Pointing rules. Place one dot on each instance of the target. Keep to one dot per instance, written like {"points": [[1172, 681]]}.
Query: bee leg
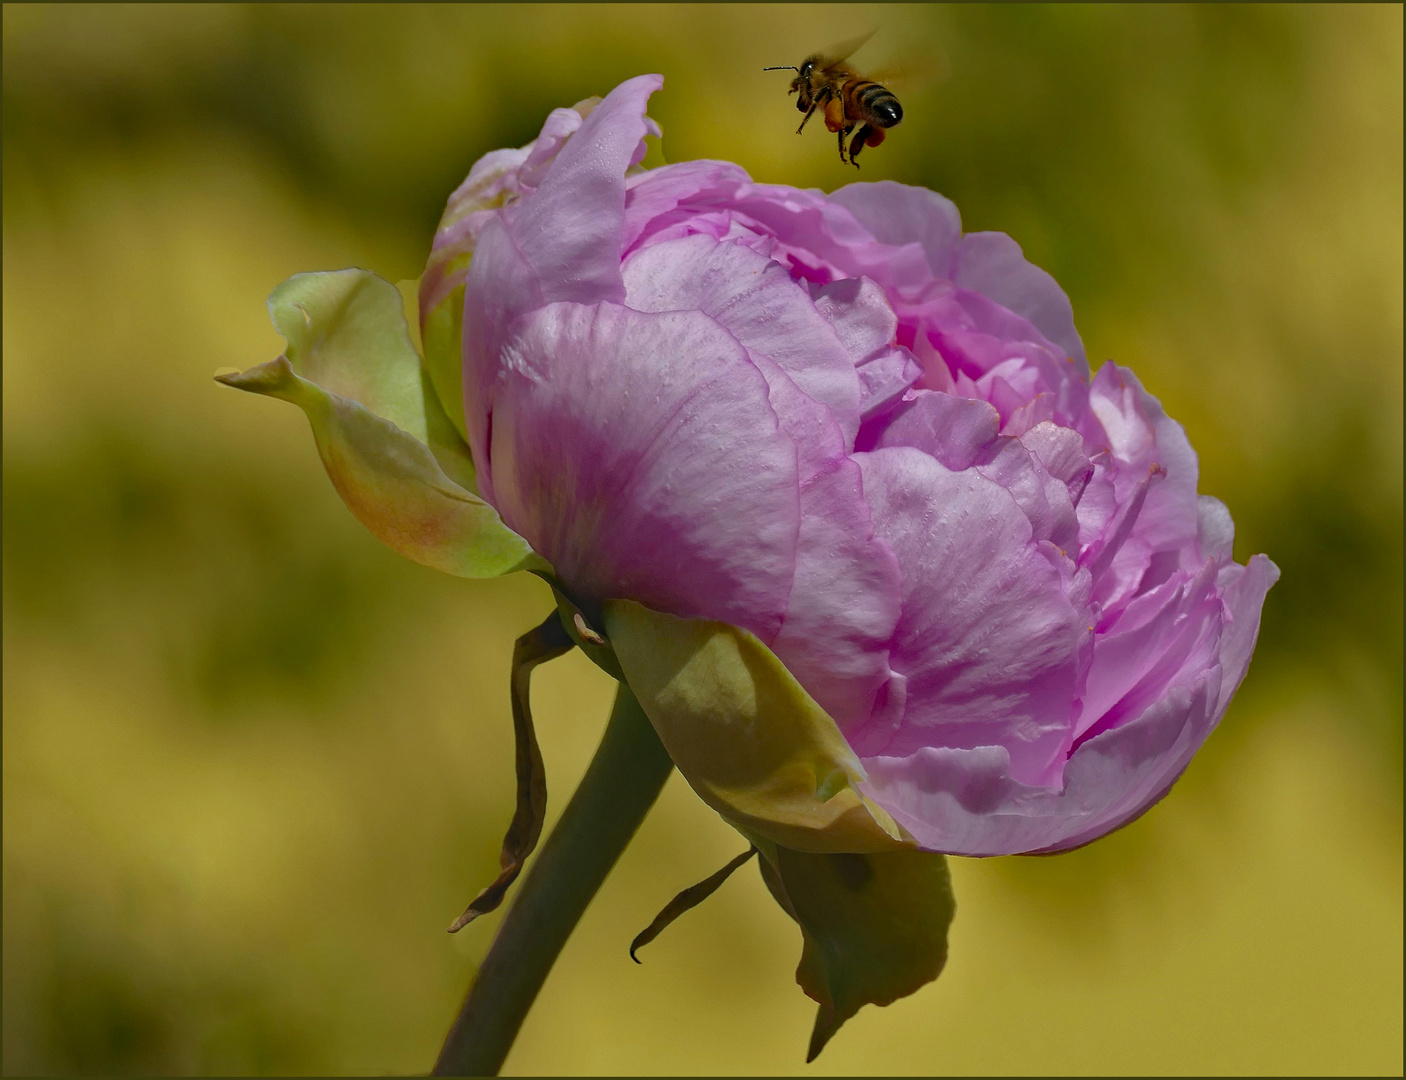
{"points": [[862, 138], [843, 132], [813, 106]]}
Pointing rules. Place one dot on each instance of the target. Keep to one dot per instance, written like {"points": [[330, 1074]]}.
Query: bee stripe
{"points": [[872, 94]]}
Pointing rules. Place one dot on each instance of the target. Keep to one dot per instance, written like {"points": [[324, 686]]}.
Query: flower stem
{"points": [[624, 779]]}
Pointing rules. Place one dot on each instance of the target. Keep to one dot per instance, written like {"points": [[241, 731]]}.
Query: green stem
{"points": [[624, 779]]}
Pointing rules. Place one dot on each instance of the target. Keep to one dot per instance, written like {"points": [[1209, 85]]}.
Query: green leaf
{"points": [[745, 734], [387, 445], [874, 926]]}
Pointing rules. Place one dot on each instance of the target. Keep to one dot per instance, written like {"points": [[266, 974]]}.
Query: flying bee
{"points": [[850, 101]]}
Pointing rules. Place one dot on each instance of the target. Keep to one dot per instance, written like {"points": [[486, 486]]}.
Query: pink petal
{"points": [[1243, 597], [1043, 498], [1165, 637], [965, 802], [955, 430], [974, 335], [1035, 411], [1061, 452], [559, 126], [988, 263], [1122, 773], [992, 264], [963, 433], [561, 242], [988, 640], [859, 311], [1215, 531], [651, 197], [823, 240], [641, 452], [899, 214], [759, 304], [847, 592], [883, 380], [1140, 436], [493, 179], [845, 598]]}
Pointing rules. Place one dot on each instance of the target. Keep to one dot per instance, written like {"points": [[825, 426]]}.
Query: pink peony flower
{"points": [[828, 487], [838, 423]]}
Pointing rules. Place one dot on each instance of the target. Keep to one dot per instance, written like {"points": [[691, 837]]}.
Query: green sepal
{"points": [[874, 926], [442, 333], [745, 734], [388, 447], [583, 625]]}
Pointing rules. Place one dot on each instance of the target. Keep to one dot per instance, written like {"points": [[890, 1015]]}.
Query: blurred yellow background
{"points": [[254, 763]]}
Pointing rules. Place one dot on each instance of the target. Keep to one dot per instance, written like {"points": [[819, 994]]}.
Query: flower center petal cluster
{"points": [[838, 423]]}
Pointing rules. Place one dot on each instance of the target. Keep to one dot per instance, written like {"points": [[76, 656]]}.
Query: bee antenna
{"points": [[783, 67]]}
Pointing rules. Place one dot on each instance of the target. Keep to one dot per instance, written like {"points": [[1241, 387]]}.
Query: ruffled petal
{"points": [[989, 263], [969, 334], [844, 601], [653, 198], [859, 311], [992, 264], [1141, 437], [1061, 451], [884, 378], [1166, 636], [989, 642], [491, 182], [1044, 499], [964, 433], [820, 240], [641, 451], [900, 214], [957, 431], [755, 301], [965, 802]]}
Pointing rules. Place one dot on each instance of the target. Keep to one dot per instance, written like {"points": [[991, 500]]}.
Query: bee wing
{"points": [[833, 58], [912, 72]]}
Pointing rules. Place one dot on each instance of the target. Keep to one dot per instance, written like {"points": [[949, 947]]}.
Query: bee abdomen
{"points": [[879, 105]]}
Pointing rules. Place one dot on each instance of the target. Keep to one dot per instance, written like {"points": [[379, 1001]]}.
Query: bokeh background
{"points": [[254, 762]]}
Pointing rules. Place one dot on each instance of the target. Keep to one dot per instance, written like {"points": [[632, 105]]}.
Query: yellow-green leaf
{"points": [[390, 451], [745, 734]]}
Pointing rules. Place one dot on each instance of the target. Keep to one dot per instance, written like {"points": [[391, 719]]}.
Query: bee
{"points": [[850, 100]]}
